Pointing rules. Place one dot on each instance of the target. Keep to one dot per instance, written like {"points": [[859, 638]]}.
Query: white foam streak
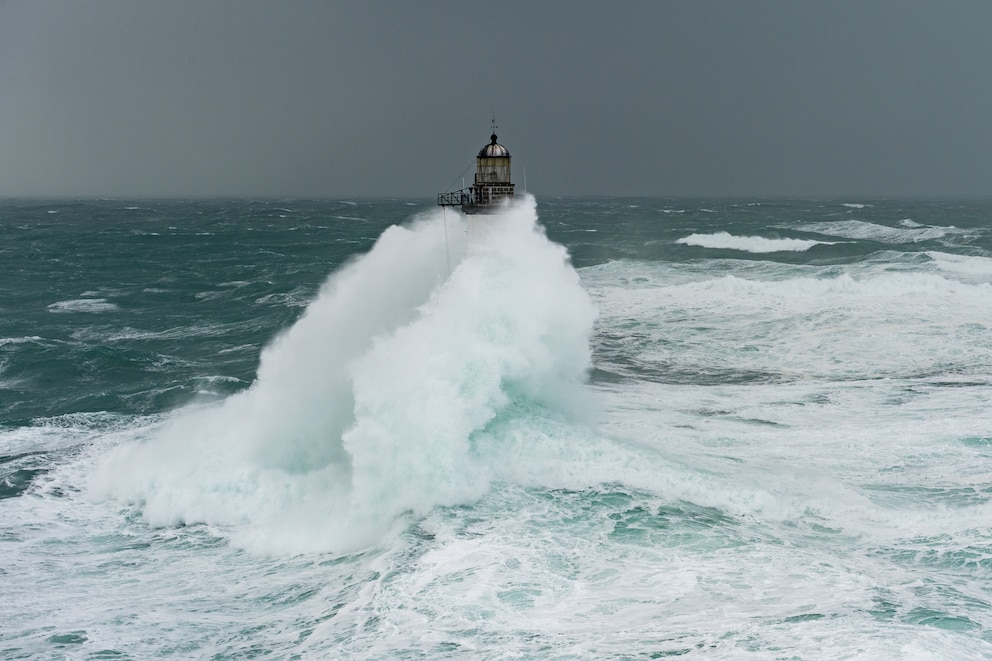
{"points": [[754, 244], [91, 305], [371, 404], [19, 340], [861, 230]]}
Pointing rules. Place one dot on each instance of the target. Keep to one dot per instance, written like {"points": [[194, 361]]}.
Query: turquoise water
{"points": [[594, 428]]}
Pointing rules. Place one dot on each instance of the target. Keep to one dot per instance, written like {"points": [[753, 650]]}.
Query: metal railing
{"points": [[476, 196], [458, 198]]}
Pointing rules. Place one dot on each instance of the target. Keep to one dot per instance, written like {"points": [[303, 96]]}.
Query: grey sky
{"points": [[332, 99]]}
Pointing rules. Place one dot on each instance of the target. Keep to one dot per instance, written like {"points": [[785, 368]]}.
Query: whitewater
{"points": [[381, 398], [612, 429]]}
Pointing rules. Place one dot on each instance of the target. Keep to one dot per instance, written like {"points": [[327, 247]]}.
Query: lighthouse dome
{"points": [[494, 150]]}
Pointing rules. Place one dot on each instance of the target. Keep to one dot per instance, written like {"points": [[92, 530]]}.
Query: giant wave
{"points": [[377, 401]]}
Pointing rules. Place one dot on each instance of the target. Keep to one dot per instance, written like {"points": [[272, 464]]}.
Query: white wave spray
{"points": [[377, 400]]}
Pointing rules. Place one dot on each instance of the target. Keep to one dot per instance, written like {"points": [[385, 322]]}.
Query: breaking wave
{"points": [[755, 244], [380, 399], [93, 305]]}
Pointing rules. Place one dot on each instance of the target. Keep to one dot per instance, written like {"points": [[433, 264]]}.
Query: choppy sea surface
{"points": [[583, 428]]}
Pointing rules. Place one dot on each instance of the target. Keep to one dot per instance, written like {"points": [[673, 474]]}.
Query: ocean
{"points": [[585, 428]]}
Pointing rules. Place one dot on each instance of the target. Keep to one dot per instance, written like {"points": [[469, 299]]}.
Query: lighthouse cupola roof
{"points": [[494, 149]]}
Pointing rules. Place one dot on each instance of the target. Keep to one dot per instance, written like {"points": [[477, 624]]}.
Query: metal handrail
{"points": [[454, 199]]}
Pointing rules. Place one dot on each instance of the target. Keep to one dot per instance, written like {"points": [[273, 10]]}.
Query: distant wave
{"points": [[83, 305], [909, 232], [757, 244]]}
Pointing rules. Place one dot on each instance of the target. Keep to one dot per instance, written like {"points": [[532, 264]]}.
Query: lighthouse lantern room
{"points": [[493, 187]]}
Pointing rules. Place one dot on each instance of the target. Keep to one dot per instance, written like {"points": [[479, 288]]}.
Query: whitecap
{"points": [[19, 340], [755, 244], [93, 305]]}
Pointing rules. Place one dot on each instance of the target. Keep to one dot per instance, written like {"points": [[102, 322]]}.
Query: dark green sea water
{"points": [[607, 428]]}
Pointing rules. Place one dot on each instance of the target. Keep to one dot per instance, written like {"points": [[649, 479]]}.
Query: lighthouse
{"points": [[493, 188]]}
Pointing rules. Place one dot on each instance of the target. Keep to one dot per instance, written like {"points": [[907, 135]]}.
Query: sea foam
{"points": [[377, 401], [755, 244], [94, 305]]}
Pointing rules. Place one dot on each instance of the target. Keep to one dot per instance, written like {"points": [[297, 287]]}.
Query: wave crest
{"points": [[755, 244], [94, 305]]}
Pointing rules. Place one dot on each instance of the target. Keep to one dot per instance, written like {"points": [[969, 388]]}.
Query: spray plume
{"points": [[381, 398]]}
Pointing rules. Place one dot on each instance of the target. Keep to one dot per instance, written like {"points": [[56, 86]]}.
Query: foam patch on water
{"points": [[755, 244], [19, 340], [60, 432], [91, 305], [376, 401]]}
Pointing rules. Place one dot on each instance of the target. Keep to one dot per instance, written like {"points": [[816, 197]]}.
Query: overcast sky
{"points": [[137, 98]]}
